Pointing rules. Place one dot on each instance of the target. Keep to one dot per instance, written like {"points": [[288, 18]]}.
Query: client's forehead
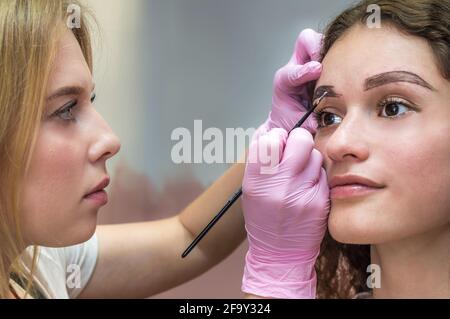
{"points": [[363, 52]]}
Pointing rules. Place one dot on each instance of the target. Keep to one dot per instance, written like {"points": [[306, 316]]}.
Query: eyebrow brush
{"points": [[239, 192]]}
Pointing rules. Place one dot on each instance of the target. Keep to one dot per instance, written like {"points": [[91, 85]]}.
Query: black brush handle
{"points": [[238, 194]]}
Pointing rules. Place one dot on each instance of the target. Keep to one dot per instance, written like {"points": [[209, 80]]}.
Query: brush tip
{"points": [[319, 99]]}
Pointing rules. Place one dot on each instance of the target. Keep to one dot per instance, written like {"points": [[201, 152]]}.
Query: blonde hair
{"points": [[29, 34]]}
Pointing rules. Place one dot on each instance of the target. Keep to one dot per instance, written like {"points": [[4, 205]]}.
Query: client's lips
{"points": [[98, 194], [344, 186]]}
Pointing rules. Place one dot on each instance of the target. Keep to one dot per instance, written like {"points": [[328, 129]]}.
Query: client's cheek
{"points": [[419, 184], [319, 144]]}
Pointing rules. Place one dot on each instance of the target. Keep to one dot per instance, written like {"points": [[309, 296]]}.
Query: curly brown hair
{"points": [[341, 268]]}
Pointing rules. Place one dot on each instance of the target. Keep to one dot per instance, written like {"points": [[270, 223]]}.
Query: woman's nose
{"points": [[105, 144], [348, 141]]}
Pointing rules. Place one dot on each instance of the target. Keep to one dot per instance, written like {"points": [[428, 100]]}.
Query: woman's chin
{"points": [[75, 235], [81, 234], [349, 227]]}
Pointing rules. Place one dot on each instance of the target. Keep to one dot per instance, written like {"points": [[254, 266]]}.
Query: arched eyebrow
{"points": [[325, 88], [68, 90], [395, 76], [379, 80]]}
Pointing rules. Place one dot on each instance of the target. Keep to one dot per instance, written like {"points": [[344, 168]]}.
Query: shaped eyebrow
{"points": [[395, 76], [67, 90], [379, 80], [325, 88]]}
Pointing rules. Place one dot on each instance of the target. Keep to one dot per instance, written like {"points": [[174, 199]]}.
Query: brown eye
{"points": [[326, 119], [393, 108]]}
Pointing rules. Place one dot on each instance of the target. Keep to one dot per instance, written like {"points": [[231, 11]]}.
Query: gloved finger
{"points": [[310, 125], [311, 173], [271, 147], [292, 76], [324, 192], [318, 202], [307, 47], [265, 153], [297, 151]]}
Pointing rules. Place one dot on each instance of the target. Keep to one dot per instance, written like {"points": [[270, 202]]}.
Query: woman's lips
{"points": [[352, 185], [99, 198], [352, 190]]}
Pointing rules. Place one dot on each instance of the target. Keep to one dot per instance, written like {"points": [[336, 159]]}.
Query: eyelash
{"points": [[386, 102], [67, 109]]}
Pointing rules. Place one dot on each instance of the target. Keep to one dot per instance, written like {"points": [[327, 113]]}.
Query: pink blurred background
{"points": [[134, 198]]}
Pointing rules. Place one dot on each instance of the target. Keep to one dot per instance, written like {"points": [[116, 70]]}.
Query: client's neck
{"points": [[415, 267]]}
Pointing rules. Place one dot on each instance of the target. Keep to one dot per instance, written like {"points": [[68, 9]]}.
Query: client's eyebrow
{"points": [[395, 76], [325, 88], [68, 90], [379, 80]]}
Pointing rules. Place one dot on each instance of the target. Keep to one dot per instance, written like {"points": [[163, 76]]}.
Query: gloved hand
{"points": [[285, 215], [290, 99]]}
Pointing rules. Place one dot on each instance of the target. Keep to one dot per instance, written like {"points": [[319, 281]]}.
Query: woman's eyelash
{"points": [[393, 101], [65, 113], [390, 101], [317, 116]]}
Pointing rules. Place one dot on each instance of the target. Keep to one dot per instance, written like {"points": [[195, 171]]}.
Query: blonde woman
{"points": [[53, 152]]}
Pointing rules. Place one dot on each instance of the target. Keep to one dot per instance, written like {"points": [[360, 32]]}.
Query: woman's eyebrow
{"points": [[395, 76], [68, 90], [325, 88], [379, 80]]}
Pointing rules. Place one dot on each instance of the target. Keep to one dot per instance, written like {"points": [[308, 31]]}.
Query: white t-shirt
{"points": [[62, 273]]}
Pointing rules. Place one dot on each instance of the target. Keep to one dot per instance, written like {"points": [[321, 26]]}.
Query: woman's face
{"points": [[69, 158], [388, 120]]}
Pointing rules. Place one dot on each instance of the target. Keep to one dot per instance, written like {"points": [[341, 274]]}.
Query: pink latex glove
{"points": [[285, 215], [290, 99]]}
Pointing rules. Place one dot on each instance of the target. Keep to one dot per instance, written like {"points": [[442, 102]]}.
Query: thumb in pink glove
{"points": [[285, 215], [290, 98]]}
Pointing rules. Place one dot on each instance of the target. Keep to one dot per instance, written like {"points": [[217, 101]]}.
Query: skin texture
{"points": [[136, 260], [69, 158], [406, 150]]}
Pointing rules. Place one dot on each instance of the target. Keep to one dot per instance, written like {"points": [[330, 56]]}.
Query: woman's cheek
{"points": [[319, 144], [419, 179], [52, 184]]}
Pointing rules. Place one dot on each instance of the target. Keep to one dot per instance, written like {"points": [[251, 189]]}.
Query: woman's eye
{"points": [[393, 108], [326, 119], [390, 108], [65, 113]]}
